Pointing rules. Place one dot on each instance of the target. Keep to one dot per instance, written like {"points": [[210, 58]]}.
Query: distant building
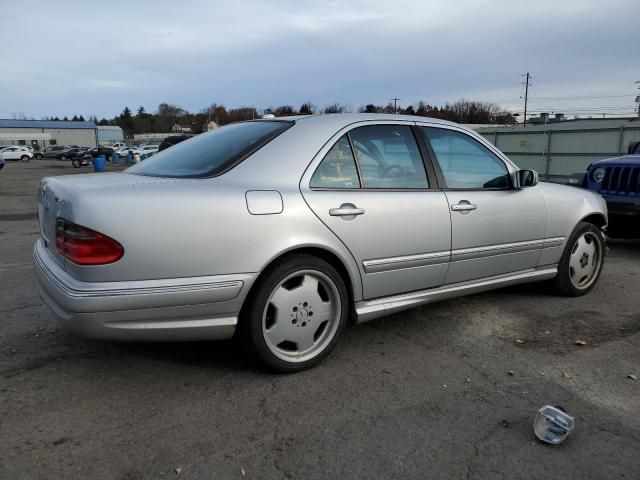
{"points": [[150, 137], [181, 128], [558, 148], [43, 133], [108, 135]]}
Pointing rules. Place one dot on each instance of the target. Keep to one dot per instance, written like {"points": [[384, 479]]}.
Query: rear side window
{"points": [[388, 157], [212, 153], [337, 169], [465, 162]]}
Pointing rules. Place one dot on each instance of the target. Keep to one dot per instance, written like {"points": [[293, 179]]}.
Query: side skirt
{"points": [[369, 309]]}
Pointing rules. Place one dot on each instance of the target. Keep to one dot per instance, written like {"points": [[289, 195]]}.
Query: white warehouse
{"points": [[109, 134], [42, 133]]}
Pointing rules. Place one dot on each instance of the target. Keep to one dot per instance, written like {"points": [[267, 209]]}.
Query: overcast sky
{"points": [[88, 57]]}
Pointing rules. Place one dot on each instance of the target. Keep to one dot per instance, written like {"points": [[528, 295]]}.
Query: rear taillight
{"points": [[84, 246]]}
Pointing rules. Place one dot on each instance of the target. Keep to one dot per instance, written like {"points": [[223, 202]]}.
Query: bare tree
{"points": [[335, 108]]}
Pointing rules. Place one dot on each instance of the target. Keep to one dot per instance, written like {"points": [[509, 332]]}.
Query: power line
{"points": [[583, 97], [541, 108]]}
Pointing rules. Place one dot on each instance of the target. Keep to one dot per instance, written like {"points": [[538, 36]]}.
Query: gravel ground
{"points": [[449, 390]]}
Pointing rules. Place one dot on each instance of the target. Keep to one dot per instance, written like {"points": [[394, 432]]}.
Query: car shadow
{"points": [[222, 355]]}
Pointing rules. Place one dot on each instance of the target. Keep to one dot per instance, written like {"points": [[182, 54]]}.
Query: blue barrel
{"points": [[98, 163], [129, 158], [115, 157]]}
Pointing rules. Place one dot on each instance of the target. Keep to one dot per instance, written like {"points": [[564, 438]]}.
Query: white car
{"points": [[147, 149], [142, 150], [118, 146], [16, 153], [123, 151]]}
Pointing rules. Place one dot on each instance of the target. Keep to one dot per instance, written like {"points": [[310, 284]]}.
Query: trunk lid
{"points": [[58, 198], [52, 203]]}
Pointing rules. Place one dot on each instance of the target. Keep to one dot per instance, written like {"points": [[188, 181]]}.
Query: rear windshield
{"points": [[210, 154]]}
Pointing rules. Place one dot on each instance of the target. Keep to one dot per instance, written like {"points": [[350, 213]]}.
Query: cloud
{"points": [[97, 58]]}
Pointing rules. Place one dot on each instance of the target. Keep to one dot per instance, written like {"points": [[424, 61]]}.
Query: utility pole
{"points": [[526, 95], [395, 104]]}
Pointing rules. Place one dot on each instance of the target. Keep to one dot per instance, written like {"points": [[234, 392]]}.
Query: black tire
{"points": [[567, 282], [76, 162], [63, 157], [255, 315], [39, 156], [24, 158]]}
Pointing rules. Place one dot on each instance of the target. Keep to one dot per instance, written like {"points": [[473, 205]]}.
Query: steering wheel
{"points": [[396, 171]]}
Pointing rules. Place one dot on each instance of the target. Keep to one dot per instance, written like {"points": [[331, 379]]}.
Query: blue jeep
{"points": [[618, 181]]}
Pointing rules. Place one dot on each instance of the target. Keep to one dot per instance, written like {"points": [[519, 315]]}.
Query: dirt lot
{"points": [[443, 391]]}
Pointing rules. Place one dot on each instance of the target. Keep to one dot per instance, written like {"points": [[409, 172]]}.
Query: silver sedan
{"points": [[283, 230]]}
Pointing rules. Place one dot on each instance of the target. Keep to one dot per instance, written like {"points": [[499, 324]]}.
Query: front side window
{"points": [[337, 169], [212, 153], [388, 157], [465, 162]]}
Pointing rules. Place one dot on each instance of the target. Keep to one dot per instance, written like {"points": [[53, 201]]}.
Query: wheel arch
{"points": [[597, 219], [351, 281]]}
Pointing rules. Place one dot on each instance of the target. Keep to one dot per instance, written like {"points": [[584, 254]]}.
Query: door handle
{"points": [[463, 207], [346, 211]]}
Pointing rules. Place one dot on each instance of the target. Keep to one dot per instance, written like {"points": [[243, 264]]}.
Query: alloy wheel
{"points": [[585, 260], [301, 316]]}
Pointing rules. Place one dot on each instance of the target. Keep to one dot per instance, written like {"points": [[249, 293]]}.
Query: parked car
{"points": [[170, 141], [146, 150], [60, 152], [285, 229], [118, 146], [618, 181], [107, 152], [123, 151], [1, 161], [16, 153]]}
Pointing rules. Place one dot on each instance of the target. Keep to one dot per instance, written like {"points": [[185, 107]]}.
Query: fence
{"points": [[555, 152]]}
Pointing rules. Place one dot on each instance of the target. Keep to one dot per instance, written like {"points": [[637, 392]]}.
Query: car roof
{"points": [[340, 120]]}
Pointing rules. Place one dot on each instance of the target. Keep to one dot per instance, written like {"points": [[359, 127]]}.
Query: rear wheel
{"points": [[76, 162], [38, 156], [24, 158], [63, 157], [298, 313], [581, 262]]}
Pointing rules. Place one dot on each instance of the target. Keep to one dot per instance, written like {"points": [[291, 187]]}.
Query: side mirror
{"points": [[524, 178]]}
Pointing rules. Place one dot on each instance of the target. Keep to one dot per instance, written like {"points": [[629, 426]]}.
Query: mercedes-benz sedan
{"points": [[282, 230]]}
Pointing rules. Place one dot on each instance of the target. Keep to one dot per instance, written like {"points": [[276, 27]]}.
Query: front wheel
{"points": [[39, 156], [581, 263], [297, 314], [76, 162]]}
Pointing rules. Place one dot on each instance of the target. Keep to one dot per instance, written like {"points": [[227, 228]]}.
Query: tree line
{"points": [[167, 115]]}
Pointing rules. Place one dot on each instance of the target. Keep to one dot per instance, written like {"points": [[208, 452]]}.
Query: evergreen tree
{"points": [[306, 108]]}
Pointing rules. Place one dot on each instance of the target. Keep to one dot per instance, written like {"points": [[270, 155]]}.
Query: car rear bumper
{"points": [[178, 309]]}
